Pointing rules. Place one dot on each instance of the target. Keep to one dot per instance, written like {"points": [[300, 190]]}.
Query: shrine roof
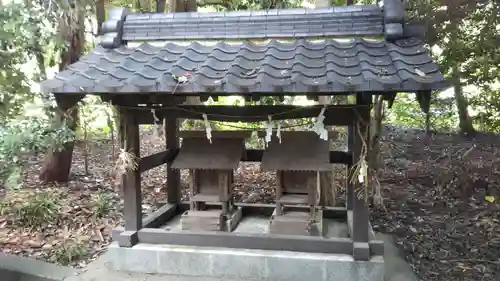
{"points": [[308, 60]]}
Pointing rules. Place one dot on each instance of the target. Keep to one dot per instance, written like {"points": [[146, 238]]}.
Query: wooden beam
{"points": [[331, 134], [131, 180], [243, 134], [336, 157], [173, 175], [310, 244], [376, 246], [360, 234], [160, 216], [335, 115], [154, 160]]}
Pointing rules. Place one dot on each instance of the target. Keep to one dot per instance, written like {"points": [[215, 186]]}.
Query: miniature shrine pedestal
{"points": [[211, 164]]}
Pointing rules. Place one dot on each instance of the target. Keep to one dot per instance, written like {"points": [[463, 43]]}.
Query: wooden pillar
{"points": [[173, 175], [349, 186], [361, 125], [279, 190], [131, 180]]}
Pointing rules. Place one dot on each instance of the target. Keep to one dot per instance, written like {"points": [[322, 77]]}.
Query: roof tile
{"points": [[297, 67]]}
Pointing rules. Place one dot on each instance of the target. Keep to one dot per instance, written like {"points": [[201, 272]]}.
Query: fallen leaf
{"points": [[489, 198], [420, 72], [33, 244]]}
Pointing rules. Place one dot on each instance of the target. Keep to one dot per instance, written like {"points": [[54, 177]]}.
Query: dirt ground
{"points": [[441, 199]]}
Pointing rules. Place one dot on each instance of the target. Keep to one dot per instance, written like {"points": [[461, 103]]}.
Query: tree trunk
{"points": [[160, 6], [100, 14], [465, 122], [57, 163], [328, 193], [182, 6], [179, 6]]}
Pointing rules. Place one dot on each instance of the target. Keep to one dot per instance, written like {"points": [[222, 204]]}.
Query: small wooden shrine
{"points": [[297, 159], [211, 164], [138, 75]]}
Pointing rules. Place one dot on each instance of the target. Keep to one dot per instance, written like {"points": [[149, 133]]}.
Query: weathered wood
{"points": [[160, 216], [157, 159], [225, 190], [279, 192], [349, 171], [173, 175], [301, 182], [336, 157], [217, 154], [338, 115], [238, 240], [309, 244], [216, 134], [266, 210], [360, 234], [290, 223], [331, 134], [234, 219], [151, 100], [350, 226], [208, 220], [131, 180]]}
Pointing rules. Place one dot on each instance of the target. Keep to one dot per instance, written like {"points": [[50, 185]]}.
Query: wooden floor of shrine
{"points": [[260, 225]]}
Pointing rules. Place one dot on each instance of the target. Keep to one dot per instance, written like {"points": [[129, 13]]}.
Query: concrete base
{"points": [[15, 268], [243, 264]]}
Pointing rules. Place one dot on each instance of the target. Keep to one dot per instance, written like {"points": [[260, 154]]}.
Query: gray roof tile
{"points": [[298, 67], [331, 21]]}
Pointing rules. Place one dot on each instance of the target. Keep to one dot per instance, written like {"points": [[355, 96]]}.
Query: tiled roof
{"points": [[358, 20], [302, 66]]}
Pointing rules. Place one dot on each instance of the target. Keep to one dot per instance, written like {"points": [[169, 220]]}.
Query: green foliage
{"points": [[24, 33], [406, 112], [95, 117], [487, 107], [34, 210], [70, 251], [102, 203], [20, 138]]}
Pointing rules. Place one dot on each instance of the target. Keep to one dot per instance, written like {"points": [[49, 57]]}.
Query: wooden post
{"points": [[349, 186], [131, 180], [193, 188], [360, 238], [279, 190], [173, 175]]}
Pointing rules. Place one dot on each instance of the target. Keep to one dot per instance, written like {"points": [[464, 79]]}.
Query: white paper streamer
{"points": [[319, 127], [363, 171], [269, 129], [208, 129], [278, 131]]}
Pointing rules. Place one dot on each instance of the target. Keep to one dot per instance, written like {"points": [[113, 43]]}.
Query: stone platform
{"points": [[243, 264]]}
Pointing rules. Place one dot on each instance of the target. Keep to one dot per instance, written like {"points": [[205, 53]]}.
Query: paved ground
{"points": [[396, 270]]}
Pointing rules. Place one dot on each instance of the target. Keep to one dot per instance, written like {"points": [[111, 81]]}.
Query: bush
{"points": [[34, 210], [21, 138]]}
